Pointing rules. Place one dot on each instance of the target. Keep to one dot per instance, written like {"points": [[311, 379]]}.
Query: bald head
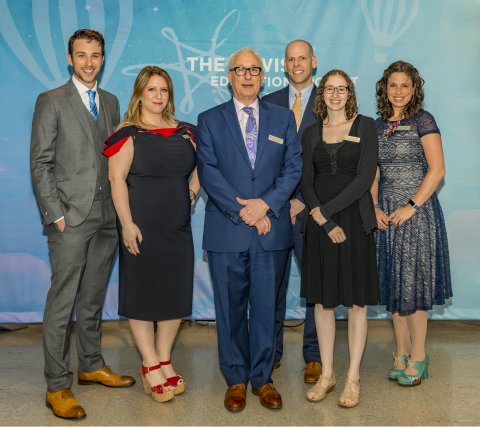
{"points": [[300, 63]]}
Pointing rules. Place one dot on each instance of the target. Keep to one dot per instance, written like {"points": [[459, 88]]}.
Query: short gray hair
{"points": [[234, 55]]}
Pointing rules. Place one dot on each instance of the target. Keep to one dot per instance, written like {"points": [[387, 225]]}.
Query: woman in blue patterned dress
{"points": [[412, 248]]}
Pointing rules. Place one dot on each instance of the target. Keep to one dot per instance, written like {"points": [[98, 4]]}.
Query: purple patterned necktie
{"points": [[251, 135]]}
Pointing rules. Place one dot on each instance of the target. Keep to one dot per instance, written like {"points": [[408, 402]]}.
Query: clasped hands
{"points": [[337, 235], [254, 214], [397, 217]]}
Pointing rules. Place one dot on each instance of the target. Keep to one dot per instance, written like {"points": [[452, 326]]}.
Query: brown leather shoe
{"points": [[276, 365], [269, 397], [236, 397], [106, 377], [312, 373], [64, 405]]}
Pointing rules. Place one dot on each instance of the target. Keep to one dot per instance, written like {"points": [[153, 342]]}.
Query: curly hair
{"points": [[88, 35], [384, 106], [133, 115], [351, 107]]}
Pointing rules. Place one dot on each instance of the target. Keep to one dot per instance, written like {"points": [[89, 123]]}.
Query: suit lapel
{"points": [[308, 116], [231, 118], [79, 109], [285, 97], [264, 118], [105, 110]]}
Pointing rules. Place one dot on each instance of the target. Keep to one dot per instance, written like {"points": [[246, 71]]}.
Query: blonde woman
{"points": [[151, 170]]}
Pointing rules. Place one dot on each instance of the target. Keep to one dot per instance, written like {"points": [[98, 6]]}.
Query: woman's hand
{"points": [[317, 216], [382, 219], [337, 235], [401, 215], [131, 238]]}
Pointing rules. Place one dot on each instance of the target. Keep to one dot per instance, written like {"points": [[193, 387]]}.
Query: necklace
{"points": [[390, 129]]}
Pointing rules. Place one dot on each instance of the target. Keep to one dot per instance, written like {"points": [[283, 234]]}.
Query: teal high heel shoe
{"points": [[422, 372], [394, 373]]}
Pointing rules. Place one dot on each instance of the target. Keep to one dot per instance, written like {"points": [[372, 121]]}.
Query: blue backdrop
{"points": [[192, 40]]}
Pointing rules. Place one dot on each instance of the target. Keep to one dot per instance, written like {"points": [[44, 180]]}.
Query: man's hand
{"points": [[60, 224], [253, 211], [264, 225], [296, 207]]}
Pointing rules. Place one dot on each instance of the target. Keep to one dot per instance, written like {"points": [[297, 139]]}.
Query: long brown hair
{"points": [[133, 115], [384, 106], [351, 107]]}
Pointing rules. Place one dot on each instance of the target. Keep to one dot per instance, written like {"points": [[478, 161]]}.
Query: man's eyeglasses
{"points": [[340, 89], [241, 71]]}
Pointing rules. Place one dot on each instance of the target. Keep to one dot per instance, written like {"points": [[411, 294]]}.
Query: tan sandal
{"points": [[323, 386], [349, 398]]}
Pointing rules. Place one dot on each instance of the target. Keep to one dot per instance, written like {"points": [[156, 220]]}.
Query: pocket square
{"points": [[275, 139]]}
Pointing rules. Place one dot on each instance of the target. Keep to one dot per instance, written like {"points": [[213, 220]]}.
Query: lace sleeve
{"points": [[426, 124]]}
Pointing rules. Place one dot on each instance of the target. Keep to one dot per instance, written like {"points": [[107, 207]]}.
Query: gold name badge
{"points": [[275, 139], [352, 138], [403, 127]]}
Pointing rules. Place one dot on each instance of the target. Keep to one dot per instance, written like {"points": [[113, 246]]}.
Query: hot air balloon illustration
{"points": [[387, 21], [52, 24]]}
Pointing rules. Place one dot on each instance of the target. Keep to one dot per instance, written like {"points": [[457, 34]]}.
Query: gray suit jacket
{"points": [[64, 152]]}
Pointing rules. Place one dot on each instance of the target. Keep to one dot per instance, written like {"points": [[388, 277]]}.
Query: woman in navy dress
{"points": [[151, 170], [412, 248]]}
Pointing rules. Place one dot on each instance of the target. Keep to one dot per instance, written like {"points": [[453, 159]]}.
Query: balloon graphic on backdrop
{"points": [[53, 46], [387, 21]]}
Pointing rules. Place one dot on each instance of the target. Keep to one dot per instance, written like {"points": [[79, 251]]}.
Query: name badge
{"points": [[403, 127], [352, 138], [275, 139]]}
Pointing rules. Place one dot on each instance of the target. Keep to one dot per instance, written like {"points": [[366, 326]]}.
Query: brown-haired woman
{"points": [[151, 161], [413, 259], [339, 266]]}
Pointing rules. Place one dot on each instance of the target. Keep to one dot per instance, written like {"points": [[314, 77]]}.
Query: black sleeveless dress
{"points": [[158, 283], [338, 273]]}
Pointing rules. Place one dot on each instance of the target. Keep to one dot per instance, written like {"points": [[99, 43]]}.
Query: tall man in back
{"points": [[249, 163], [299, 96], [70, 179]]}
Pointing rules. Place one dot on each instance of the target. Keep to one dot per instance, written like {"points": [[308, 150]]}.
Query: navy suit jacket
{"points": [[280, 97], [226, 173]]}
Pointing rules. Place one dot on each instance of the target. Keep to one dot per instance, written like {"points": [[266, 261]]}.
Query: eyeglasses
{"points": [[241, 71], [340, 89]]}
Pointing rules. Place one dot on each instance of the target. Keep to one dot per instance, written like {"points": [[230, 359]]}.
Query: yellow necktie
{"points": [[297, 108]]}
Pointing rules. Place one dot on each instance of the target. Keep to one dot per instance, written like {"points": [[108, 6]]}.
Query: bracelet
{"points": [[377, 206], [412, 204]]}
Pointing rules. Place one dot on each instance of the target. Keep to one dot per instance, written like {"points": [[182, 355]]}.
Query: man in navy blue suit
{"points": [[249, 163], [299, 96]]}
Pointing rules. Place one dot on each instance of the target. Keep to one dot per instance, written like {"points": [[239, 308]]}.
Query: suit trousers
{"points": [[311, 351], [245, 286], [80, 257]]}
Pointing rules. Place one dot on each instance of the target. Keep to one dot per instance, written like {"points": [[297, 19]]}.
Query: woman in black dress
{"points": [[151, 161], [339, 266]]}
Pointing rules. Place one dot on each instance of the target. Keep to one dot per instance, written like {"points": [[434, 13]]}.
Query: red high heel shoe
{"points": [[161, 392], [177, 381]]}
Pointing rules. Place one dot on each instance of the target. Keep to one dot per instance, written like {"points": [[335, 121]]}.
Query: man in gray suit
{"points": [[70, 178]]}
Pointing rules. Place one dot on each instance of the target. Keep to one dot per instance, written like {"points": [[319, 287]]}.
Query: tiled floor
{"points": [[449, 397]]}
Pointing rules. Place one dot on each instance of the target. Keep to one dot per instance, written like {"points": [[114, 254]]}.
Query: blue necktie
{"points": [[251, 135], [93, 106]]}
